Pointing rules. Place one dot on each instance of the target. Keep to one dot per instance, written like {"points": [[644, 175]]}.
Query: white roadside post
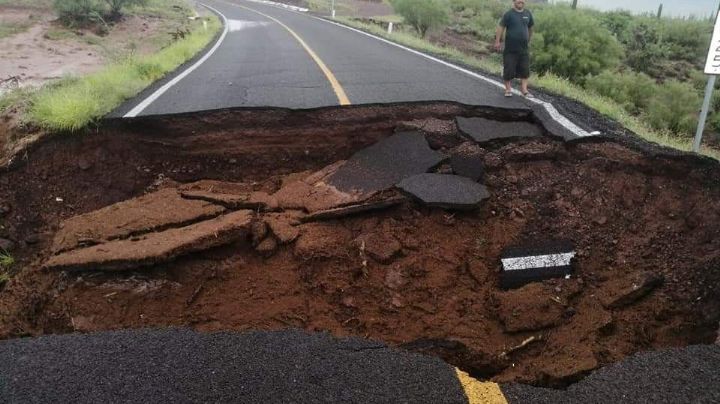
{"points": [[333, 8], [390, 27], [712, 69]]}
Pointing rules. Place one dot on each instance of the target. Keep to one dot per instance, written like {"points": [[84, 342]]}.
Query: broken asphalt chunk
{"points": [[467, 161], [386, 163], [156, 248], [524, 264], [229, 194], [348, 210], [151, 212], [445, 191], [485, 130]]}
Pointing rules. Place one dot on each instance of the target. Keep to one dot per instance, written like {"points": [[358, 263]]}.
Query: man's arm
{"points": [[499, 33], [530, 32]]}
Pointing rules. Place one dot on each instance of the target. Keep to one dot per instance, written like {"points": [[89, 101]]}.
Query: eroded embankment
{"points": [[415, 276]]}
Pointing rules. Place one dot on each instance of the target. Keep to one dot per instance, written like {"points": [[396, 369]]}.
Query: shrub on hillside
{"points": [[572, 44], [687, 40], [617, 22], [629, 89], [674, 107], [643, 46], [116, 6], [78, 12], [422, 15]]}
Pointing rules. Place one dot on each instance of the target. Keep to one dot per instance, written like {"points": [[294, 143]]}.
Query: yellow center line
{"points": [[339, 91], [479, 392]]}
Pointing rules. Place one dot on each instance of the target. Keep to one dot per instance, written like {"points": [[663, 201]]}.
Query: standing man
{"points": [[516, 25]]}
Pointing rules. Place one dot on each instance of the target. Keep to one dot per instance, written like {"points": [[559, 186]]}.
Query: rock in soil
{"points": [[155, 248], [267, 247], [530, 308], [623, 292], [155, 211], [379, 246], [445, 191], [283, 226], [258, 231]]}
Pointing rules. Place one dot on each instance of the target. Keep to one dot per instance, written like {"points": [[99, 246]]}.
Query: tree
{"points": [[422, 15]]}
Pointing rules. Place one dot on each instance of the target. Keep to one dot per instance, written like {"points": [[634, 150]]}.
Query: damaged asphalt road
{"points": [[179, 365], [262, 64]]}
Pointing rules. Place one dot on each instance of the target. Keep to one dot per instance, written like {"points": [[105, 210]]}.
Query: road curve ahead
{"points": [[273, 57]]}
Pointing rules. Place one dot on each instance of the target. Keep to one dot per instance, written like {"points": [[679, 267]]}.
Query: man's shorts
{"points": [[516, 66]]}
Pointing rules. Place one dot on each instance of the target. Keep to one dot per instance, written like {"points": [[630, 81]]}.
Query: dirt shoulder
{"points": [[48, 51]]}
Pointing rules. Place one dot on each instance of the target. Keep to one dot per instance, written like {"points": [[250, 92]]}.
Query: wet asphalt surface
{"points": [[292, 366], [182, 366], [688, 375], [260, 64]]}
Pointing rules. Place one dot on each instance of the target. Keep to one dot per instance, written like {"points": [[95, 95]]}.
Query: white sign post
{"points": [[712, 69]]}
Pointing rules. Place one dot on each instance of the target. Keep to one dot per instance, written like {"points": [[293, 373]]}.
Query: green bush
{"points": [[643, 46], [629, 89], [572, 44], [422, 15], [78, 12], [674, 107], [617, 22], [686, 40], [116, 6]]}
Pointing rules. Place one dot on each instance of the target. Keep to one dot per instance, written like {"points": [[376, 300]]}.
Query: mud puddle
{"points": [[644, 224]]}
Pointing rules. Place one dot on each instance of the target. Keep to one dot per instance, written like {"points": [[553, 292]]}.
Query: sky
{"points": [[670, 7]]}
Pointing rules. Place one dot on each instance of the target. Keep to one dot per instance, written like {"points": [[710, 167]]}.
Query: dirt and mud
{"points": [[644, 222]]}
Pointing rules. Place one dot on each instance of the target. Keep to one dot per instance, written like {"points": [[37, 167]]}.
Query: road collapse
{"points": [[401, 223]]}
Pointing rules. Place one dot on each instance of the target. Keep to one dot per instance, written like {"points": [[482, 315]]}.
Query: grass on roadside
{"points": [[72, 103], [549, 82]]}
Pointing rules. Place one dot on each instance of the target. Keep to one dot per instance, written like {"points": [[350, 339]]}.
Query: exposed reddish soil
{"points": [[424, 279]]}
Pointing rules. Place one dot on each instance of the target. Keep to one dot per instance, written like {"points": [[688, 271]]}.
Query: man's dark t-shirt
{"points": [[517, 35]]}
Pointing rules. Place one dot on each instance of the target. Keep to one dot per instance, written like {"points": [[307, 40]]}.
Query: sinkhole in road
{"points": [[132, 227]]}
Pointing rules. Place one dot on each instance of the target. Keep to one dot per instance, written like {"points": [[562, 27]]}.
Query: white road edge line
{"points": [[537, 261], [550, 108], [160, 91], [554, 113]]}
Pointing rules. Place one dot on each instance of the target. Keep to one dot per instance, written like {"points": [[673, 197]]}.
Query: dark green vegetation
{"points": [[86, 12], [651, 67]]}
